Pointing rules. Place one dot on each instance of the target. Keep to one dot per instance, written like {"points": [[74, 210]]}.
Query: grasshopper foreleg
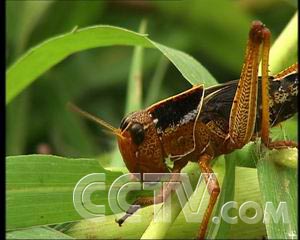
{"points": [[159, 198]]}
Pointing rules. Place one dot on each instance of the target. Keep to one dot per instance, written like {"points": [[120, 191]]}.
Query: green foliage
{"points": [[37, 184], [37, 233], [75, 66], [39, 59], [278, 185]]}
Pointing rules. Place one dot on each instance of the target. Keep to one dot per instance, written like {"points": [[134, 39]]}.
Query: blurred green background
{"points": [[212, 31]]}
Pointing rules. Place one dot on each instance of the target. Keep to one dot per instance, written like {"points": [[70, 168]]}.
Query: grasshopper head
{"points": [[138, 141], [140, 146]]}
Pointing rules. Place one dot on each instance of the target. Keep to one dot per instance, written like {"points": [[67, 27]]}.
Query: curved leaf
{"points": [[44, 56]]}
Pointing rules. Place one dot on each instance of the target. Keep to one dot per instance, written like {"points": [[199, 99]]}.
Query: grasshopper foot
{"points": [[130, 211]]}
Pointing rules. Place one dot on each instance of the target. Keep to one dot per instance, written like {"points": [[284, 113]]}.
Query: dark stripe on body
{"points": [[219, 105], [177, 109]]}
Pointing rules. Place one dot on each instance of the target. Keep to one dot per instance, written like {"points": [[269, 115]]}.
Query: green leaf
{"points": [[39, 188], [44, 56], [278, 185], [37, 233], [190, 68], [246, 190]]}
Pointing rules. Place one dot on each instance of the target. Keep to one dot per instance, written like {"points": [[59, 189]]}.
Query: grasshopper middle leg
{"points": [[213, 189]]}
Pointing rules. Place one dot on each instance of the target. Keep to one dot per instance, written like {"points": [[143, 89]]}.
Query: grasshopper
{"points": [[201, 124]]}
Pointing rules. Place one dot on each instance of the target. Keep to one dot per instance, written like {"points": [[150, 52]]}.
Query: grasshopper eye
{"points": [[137, 133]]}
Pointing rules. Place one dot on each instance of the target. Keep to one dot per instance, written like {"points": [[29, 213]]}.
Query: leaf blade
{"points": [[37, 184], [44, 56]]}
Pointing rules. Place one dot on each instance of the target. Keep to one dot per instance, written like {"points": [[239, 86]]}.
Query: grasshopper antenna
{"points": [[89, 116]]}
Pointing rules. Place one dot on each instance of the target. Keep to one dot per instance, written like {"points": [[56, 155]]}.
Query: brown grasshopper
{"points": [[201, 124]]}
